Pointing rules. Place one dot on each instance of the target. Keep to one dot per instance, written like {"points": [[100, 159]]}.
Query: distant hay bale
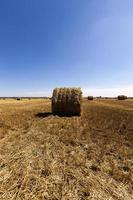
{"points": [[122, 97], [67, 101], [19, 99], [90, 98]]}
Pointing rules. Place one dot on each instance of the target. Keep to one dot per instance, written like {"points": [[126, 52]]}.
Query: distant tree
{"points": [[100, 97]]}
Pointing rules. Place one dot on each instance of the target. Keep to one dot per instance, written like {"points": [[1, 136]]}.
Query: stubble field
{"points": [[66, 158]]}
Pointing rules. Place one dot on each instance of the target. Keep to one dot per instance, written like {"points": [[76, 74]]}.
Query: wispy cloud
{"points": [[37, 93], [111, 92]]}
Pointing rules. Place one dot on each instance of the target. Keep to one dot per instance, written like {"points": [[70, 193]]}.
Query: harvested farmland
{"points": [[43, 156]]}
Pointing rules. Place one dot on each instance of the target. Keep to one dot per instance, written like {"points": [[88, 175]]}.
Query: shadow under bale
{"points": [[43, 115], [47, 114]]}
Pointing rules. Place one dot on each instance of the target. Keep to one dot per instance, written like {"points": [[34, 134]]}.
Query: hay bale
{"points": [[122, 97], [90, 98], [67, 101], [19, 99]]}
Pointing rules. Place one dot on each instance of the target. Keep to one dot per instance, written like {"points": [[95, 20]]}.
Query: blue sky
{"points": [[55, 43]]}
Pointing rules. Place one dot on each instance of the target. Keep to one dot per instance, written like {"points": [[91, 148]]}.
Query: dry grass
{"points": [[66, 158]]}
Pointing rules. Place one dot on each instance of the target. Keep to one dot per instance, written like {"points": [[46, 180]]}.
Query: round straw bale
{"points": [[90, 97], [19, 99], [122, 97], [66, 101]]}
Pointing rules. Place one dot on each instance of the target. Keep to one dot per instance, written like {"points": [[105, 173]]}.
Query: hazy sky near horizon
{"points": [[56, 43]]}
